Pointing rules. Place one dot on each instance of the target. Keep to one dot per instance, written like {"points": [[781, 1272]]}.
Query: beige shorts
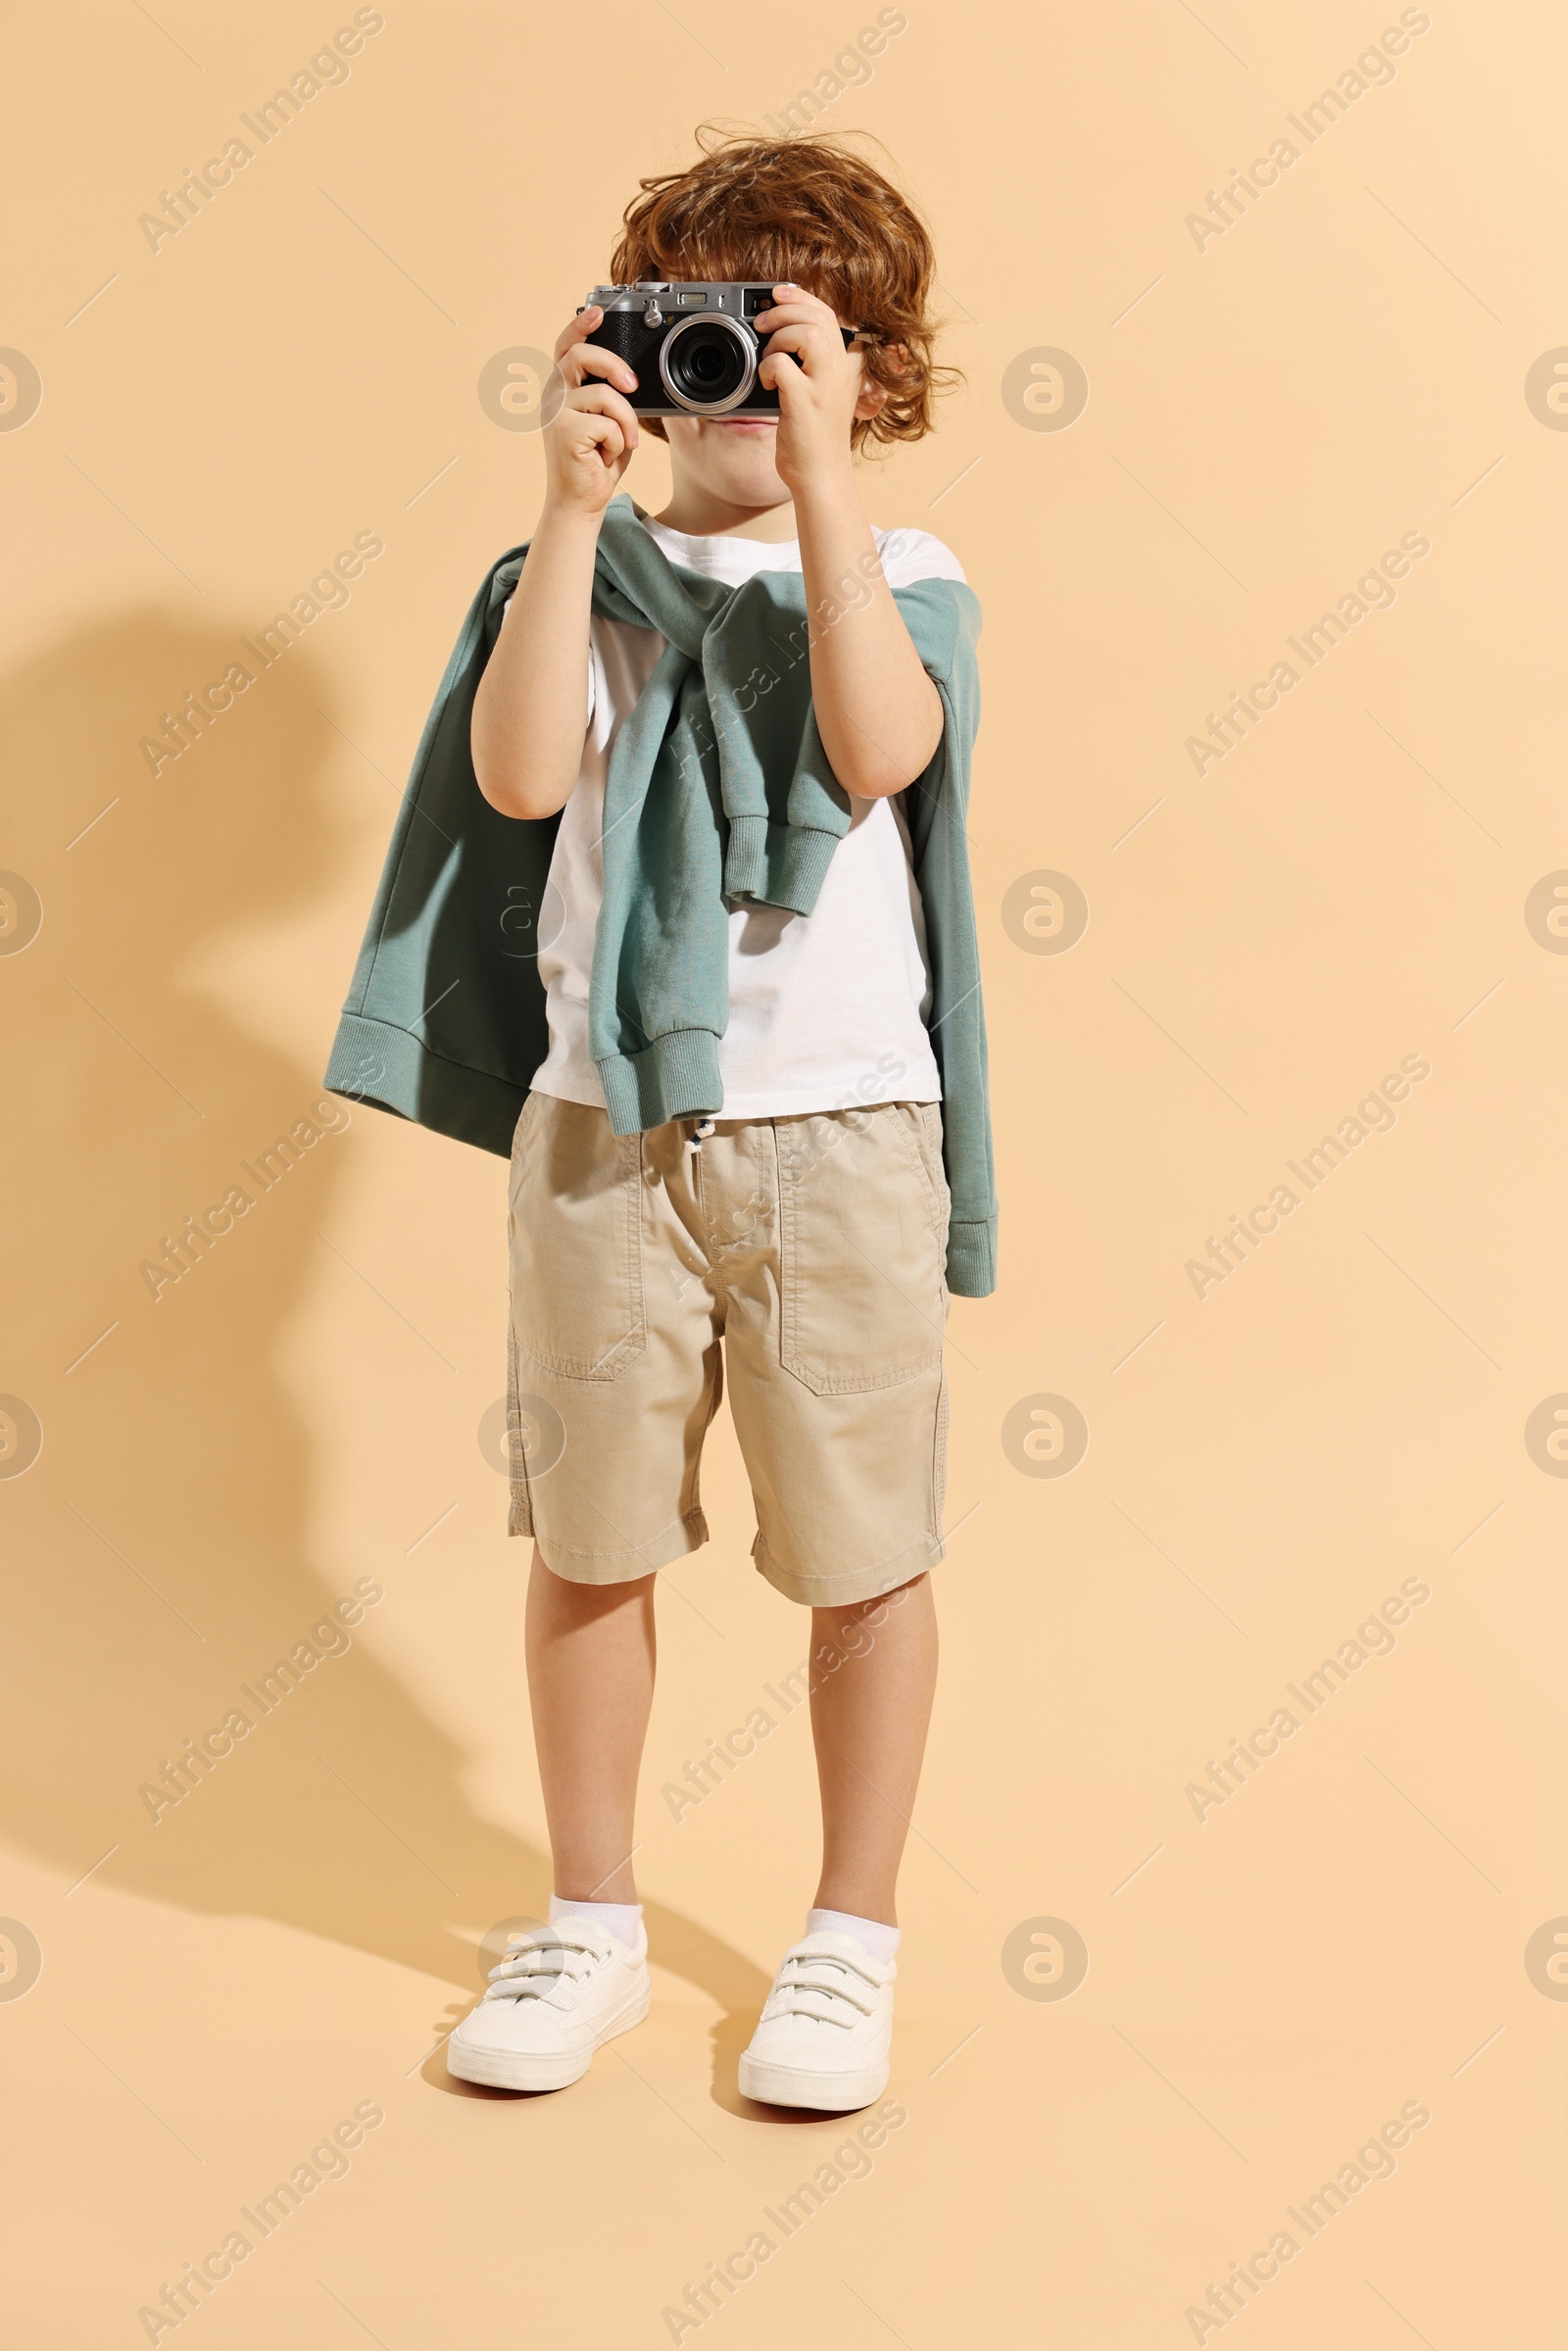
{"points": [[807, 1252]]}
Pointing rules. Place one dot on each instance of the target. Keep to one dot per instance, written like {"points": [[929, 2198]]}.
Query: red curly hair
{"points": [[807, 210]]}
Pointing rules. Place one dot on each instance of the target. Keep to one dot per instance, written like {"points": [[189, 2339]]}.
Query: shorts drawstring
{"points": [[702, 1128]]}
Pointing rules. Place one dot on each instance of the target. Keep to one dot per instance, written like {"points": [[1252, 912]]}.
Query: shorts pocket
{"points": [[863, 1290], [922, 1131], [575, 1226]]}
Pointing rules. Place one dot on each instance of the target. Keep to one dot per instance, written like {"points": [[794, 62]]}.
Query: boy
{"points": [[756, 952]]}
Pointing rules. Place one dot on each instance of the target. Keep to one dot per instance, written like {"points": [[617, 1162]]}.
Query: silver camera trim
{"points": [[744, 335]]}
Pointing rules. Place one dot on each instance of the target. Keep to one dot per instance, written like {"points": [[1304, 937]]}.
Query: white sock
{"points": [[619, 1919], [881, 1942]]}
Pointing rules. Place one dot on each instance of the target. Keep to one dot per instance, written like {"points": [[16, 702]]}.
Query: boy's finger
{"points": [[801, 342], [587, 359], [775, 368], [798, 304], [599, 400], [605, 433], [818, 337], [575, 329], [604, 399]]}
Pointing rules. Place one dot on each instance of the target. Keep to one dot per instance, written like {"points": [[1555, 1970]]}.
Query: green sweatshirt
{"points": [[718, 791]]}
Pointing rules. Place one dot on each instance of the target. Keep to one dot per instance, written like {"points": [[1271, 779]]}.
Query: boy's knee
{"points": [[582, 1598], [849, 1618]]}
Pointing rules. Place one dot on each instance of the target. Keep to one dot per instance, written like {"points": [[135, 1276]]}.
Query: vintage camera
{"points": [[692, 348]]}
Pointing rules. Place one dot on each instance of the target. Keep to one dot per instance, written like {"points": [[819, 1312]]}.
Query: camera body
{"points": [[692, 347]]}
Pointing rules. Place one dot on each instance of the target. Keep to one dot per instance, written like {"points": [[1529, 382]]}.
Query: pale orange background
{"points": [[1346, 1932]]}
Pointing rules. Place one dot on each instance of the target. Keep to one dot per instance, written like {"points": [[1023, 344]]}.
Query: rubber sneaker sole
{"points": [[799, 2085], [542, 2069]]}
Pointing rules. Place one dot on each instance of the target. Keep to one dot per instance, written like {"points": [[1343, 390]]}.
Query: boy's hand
{"points": [[589, 443], [818, 386]]}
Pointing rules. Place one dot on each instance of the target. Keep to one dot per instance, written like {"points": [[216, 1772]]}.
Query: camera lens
{"points": [[707, 364]]}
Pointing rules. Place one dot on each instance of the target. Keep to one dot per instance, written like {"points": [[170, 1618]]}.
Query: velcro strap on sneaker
{"points": [[827, 2007], [537, 1963], [834, 1982]]}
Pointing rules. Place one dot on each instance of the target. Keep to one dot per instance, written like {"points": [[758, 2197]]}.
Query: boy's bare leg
{"points": [[590, 1651], [868, 1719]]}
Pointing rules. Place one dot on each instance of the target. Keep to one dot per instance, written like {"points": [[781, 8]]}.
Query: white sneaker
{"points": [[825, 2030], [559, 1993]]}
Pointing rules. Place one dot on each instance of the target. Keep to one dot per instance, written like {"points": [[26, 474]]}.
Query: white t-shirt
{"points": [[826, 1010]]}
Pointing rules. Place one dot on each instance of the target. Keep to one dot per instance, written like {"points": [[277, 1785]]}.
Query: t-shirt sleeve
{"points": [[588, 721], [911, 555]]}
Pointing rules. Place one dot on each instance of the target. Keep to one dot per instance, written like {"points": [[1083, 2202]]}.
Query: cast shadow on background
{"points": [[168, 1559]]}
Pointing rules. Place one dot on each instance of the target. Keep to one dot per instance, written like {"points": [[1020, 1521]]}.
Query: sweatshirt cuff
{"points": [[972, 1259], [777, 864], [674, 1077], [376, 1061]]}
